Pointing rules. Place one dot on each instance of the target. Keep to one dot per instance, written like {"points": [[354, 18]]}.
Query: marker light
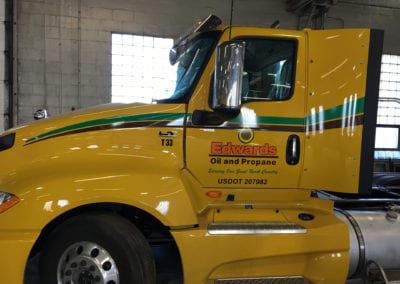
{"points": [[214, 193], [7, 200]]}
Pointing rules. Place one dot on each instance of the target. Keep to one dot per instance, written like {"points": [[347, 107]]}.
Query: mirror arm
{"points": [[213, 118]]}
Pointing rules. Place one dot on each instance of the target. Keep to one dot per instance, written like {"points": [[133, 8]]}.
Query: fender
{"points": [[63, 163]]}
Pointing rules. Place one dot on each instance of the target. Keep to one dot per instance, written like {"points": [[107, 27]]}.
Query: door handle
{"points": [[293, 150]]}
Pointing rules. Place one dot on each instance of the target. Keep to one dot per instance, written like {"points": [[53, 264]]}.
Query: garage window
{"points": [[140, 68], [389, 93], [387, 135]]}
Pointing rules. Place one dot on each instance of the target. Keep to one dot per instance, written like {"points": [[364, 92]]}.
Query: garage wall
{"points": [[3, 89], [63, 47]]}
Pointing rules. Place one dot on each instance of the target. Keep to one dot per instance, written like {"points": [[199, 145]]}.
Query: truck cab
{"points": [[221, 182]]}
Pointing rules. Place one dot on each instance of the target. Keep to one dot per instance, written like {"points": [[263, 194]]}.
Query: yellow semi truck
{"points": [[256, 169]]}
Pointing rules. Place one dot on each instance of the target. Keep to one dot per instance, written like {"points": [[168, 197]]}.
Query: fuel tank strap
{"points": [[360, 240], [248, 228]]}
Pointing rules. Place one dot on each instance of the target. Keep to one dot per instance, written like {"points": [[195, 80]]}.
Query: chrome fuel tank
{"points": [[374, 236]]}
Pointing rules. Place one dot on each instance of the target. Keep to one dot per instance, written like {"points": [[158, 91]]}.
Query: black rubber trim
{"points": [[370, 111], [7, 141]]}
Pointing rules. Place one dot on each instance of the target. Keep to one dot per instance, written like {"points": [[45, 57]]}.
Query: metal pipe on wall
{"points": [[9, 62], [378, 4]]}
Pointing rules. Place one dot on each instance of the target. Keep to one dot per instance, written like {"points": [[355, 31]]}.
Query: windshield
{"points": [[189, 65]]}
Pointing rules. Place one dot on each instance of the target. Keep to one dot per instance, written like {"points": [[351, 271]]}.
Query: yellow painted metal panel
{"points": [[338, 69], [224, 156], [111, 155], [15, 248], [314, 255]]}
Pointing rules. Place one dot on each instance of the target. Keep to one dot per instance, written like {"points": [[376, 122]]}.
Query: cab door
{"points": [[262, 146]]}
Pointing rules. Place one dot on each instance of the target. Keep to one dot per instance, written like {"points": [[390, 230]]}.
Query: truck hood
{"points": [[101, 117]]}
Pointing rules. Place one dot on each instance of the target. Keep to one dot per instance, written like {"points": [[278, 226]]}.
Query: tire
{"points": [[97, 248]]}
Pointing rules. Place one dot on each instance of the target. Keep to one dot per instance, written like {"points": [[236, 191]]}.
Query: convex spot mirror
{"points": [[41, 114]]}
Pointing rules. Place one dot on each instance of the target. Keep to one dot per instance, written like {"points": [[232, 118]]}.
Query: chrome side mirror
{"points": [[228, 76], [40, 114]]}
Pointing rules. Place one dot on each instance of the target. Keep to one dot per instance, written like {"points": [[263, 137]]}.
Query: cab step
{"points": [[265, 280], [246, 228]]}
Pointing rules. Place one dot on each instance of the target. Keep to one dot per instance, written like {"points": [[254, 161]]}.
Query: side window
{"points": [[268, 69]]}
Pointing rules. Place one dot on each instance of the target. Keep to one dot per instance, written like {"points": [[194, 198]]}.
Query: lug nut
{"points": [[106, 265]]}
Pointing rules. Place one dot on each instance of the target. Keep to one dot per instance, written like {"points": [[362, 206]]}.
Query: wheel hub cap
{"points": [[87, 263]]}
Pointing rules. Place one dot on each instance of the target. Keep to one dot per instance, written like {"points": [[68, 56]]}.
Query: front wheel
{"points": [[97, 248]]}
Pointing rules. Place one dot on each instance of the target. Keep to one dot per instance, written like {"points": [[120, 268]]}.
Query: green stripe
{"points": [[340, 111], [335, 113], [272, 120], [110, 120], [280, 120]]}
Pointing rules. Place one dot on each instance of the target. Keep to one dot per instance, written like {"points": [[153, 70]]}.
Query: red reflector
{"points": [[214, 193], [8, 204]]}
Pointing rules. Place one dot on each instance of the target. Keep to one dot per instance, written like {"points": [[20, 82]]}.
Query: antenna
{"points": [[230, 21], [275, 24]]}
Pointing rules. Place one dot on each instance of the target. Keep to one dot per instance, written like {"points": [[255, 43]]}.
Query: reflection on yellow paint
{"points": [[349, 112], [176, 122], [93, 146], [249, 117], [334, 69], [163, 207], [344, 111], [321, 118], [62, 202], [100, 178], [125, 155], [313, 121], [48, 206]]}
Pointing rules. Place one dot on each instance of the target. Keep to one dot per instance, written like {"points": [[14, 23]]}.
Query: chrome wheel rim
{"points": [[87, 263]]}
